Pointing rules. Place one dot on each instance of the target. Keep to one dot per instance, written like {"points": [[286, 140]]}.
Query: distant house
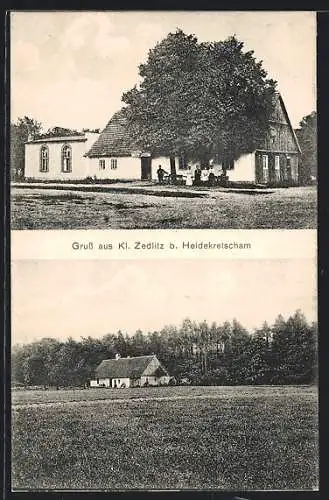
{"points": [[114, 155], [59, 157], [130, 372]]}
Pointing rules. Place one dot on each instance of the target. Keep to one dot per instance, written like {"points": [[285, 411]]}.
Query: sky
{"points": [[78, 298], [70, 69]]}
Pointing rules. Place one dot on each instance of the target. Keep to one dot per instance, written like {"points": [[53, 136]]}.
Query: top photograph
{"points": [[163, 120]]}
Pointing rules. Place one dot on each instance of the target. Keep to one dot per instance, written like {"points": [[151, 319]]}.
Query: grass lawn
{"points": [[38, 208], [232, 438]]}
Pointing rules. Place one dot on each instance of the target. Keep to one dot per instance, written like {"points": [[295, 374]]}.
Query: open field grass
{"points": [[232, 438], [39, 208]]}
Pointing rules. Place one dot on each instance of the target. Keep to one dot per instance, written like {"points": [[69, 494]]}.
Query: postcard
{"points": [[164, 327]]}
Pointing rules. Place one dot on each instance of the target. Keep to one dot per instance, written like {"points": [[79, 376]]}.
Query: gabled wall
{"points": [[152, 367], [80, 164], [281, 137]]}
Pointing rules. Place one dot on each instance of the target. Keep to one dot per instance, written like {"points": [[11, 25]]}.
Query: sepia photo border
{"points": [[323, 109]]}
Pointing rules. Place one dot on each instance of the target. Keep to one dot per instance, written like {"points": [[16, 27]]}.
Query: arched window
{"points": [[66, 159], [44, 159]]}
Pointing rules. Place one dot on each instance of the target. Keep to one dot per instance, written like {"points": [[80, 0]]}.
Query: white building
{"points": [[130, 372], [59, 158], [114, 155]]}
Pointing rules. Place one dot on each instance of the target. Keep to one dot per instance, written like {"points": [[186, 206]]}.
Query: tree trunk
{"points": [[225, 165], [173, 172], [204, 162]]}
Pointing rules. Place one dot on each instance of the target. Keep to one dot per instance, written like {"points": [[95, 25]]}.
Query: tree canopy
{"points": [[201, 100], [285, 352], [20, 132], [59, 132], [29, 127], [307, 138]]}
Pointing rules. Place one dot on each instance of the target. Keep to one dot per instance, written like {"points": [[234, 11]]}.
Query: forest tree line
{"points": [[195, 352]]}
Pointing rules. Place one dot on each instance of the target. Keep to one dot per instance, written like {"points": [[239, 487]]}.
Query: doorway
{"points": [[146, 168]]}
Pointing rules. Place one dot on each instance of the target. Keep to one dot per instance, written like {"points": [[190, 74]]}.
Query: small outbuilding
{"points": [[130, 372], [59, 157]]}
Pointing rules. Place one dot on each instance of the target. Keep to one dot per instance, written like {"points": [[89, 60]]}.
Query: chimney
{"points": [[117, 356]]}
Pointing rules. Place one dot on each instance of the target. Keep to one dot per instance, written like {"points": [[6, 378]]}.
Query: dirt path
{"points": [[137, 188], [55, 404]]}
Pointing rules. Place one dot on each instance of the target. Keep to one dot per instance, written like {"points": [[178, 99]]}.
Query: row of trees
{"points": [[205, 354]]}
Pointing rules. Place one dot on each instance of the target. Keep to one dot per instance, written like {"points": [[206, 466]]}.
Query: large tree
{"points": [[200, 100], [20, 132], [307, 137]]}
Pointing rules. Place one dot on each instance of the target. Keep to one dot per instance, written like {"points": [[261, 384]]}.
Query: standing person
{"points": [[204, 175], [189, 180], [161, 173], [197, 176], [211, 177]]}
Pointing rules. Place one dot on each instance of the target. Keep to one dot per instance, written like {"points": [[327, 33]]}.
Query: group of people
{"points": [[201, 175]]}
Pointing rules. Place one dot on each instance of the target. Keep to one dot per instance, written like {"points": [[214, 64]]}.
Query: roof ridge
{"points": [[124, 367], [130, 357]]}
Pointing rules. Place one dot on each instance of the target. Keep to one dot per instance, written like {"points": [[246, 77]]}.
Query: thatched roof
{"points": [[114, 140], [123, 367]]}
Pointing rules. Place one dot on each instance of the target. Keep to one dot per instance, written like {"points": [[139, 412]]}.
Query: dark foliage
{"points": [[20, 132], [197, 353], [59, 132], [307, 138], [200, 100]]}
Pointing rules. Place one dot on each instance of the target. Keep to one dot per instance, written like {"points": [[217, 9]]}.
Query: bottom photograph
{"points": [[164, 374]]}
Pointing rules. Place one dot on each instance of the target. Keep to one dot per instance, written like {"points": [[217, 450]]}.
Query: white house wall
{"points": [[128, 167], [165, 164], [79, 163], [120, 381], [150, 380], [106, 382], [102, 382], [244, 169]]}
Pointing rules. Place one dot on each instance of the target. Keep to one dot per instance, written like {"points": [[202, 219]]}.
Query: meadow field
{"points": [[159, 207], [226, 438]]}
